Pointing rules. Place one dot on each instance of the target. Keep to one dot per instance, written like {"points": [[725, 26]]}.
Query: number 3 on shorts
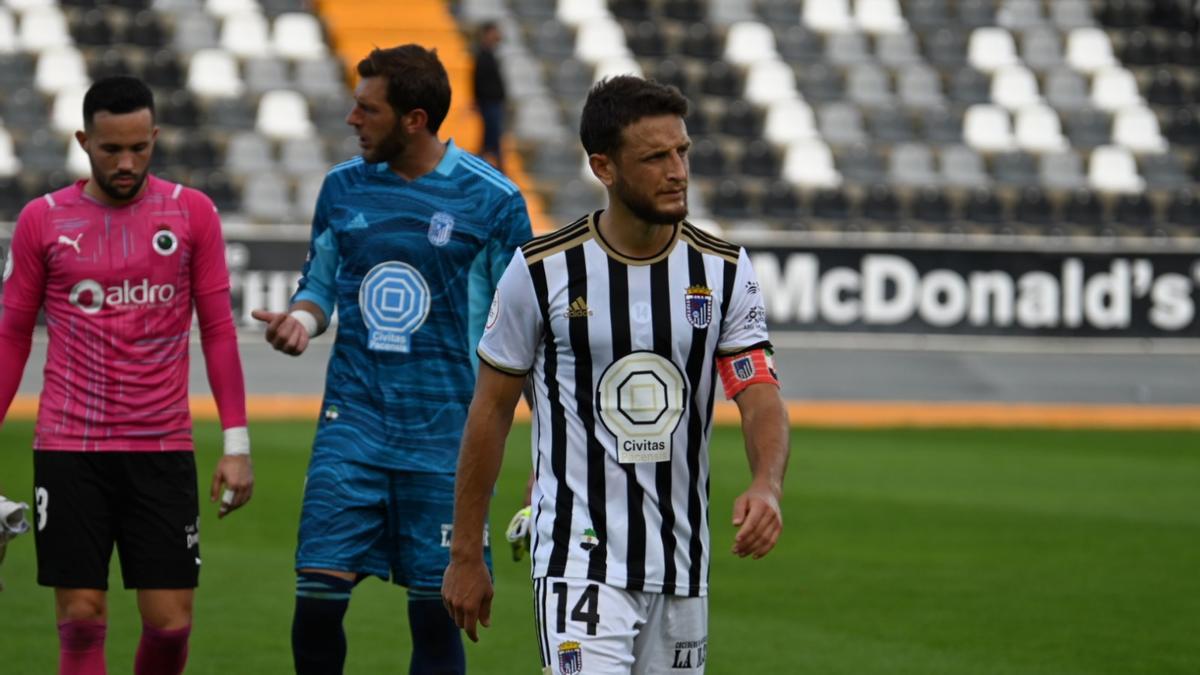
{"points": [[585, 610], [41, 498]]}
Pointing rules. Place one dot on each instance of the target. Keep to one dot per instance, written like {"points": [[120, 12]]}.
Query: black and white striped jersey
{"points": [[622, 356]]}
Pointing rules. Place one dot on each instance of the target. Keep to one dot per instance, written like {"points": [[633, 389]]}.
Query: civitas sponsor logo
{"points": [[890, 289], [90, 297]]}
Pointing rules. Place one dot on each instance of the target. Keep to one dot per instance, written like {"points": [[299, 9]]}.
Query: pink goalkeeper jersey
{"points": [[118, 285]]}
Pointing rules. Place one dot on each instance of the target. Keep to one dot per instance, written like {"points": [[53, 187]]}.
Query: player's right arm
{"points": [[312, 305], [24, 287]]}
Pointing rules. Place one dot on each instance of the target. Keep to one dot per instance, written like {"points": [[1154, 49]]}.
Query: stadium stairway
{"points": [[355, 28]]}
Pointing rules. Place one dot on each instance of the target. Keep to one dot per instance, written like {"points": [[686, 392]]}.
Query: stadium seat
{"points": [[1139, 50], [869, 86], [924, 14], [43, 151], [770, 81], [308, 189], [841, 124], [245, 34], [828, 16], [249, 153], [982, 206], [1134, 210], [970, 87], [722, 80], [629, 10], [66, 115], [931, 205], [576, 197], [898, 50], [614, 66], [146, 30], [780, 12], [759, 159], [789, 120], [861, 165], [283, 113], [1184, 209], [976, 13], [646, 40], [213, 73], [265, 199], [672, 72], [830, 204], [809, 164], [1089, 128], [1136, 128], [1114, 88], [748, 42], [707, 160], [92, 29], [879, 16], [111, 62], [1184, 49], [820, 83], [1184, 127], [264, 73], [1068, 14], [59, 69], [534, 9], [538, 120], [77, 162], [599, 39], [962, 167], [572, 78], [742, 120], [10, 164], [1014, 87], [881, 204], [1112, 169], [730, 200], [299, 156], [847, 49], [946, 48], [43, 28], [781, 201], [1066, 90], [199, 151], [321, 78], [701, 43], [1020, 15], [987, 128], [298, 36], [889, 126], [1166, 89], [178, 109], [1038, 129], [1041, 49], [687, 11], [991, 48], [911, 165], [1082, 208], [1033, 208], [1089, 50], [194, 31], [8, 31], [920, 86], [577, 13], [940, 126], [553, 40], [1061, 171], [227, 8], [1016, 169]]}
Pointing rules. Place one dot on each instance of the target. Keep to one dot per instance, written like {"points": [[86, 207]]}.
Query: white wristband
{"points": [[237, 441], [306, 319]]}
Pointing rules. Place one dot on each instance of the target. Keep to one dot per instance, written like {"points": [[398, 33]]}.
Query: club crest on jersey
{"points": [[743, 368], [440, 227], [570, 658], [394, 299], [588, 540], [164, 242], [698, 304]]}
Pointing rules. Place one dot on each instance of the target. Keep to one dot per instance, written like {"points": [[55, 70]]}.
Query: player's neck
{"points": [[92, 189], [419, 158], [631, 236]]}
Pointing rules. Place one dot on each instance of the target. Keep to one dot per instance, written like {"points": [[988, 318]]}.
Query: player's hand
{"points": [[517, 533], [467, 593], [284, 332], [236, 474], [759, 520]]}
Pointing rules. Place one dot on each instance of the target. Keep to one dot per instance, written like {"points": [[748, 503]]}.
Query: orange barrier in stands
{"points": [[355, 28]]}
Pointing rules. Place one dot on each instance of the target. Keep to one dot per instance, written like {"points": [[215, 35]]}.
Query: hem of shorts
{"points": [[626, 584], [338, 567], [114, 447]]}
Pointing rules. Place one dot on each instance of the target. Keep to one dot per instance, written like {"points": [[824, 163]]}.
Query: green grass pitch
{"points": [[904, 551]]}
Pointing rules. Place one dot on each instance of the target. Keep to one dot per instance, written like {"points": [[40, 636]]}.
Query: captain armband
{"points": [[746, 368]]}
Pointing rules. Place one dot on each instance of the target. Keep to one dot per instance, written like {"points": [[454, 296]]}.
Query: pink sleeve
{"points": [[25, 282], [218, 339], [209, 272], [16, 335]]}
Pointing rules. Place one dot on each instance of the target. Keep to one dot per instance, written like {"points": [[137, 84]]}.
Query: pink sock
{"points": [[162, 652], [81, 648]]}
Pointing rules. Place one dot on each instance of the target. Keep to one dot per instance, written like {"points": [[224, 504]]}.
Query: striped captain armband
{"points": [[741, 370]]}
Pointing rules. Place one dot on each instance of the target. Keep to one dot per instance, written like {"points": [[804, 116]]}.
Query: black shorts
{"points": [[144, 502]]}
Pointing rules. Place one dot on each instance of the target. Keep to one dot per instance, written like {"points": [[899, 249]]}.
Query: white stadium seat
{"points": [[213, 73], [828, 16], [879, 16], [224, 8], [43, 28], [297, 35], [10, 164], [283, 113], [578, 13], [788, 121], [1014, 87], [614, 66], [1136, 128], [600, 39], [991, 48], [78, 163], [1039, 130], [8, 32], [809, 164], [1089, 50], [770, 81], [246, 34], [1114, 88], [59, 69], [987, 128], [748, 42], [1113, 169], [66, 115]]}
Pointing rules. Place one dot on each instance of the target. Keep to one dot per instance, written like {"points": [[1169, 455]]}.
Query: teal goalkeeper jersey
{"points": [[410, 267]]}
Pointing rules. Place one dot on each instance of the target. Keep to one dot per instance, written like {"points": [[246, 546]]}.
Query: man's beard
{"points": [[108, 187], [644, 208], [391, 147]]}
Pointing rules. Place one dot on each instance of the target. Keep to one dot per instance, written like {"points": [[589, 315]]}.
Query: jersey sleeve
{"points": [[745, 323], [210, 273], [318, 280], [511, 229], [24, 277], [514, 323]]}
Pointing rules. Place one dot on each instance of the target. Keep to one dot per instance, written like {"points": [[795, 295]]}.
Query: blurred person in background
{"points": [[490, 96]]}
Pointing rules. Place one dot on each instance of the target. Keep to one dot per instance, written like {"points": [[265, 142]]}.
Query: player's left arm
{"points": [[747, 369], [223, 364]]}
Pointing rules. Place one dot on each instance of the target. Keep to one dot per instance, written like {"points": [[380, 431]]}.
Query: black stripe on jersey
{"points": [[660, 313], [540, 247], [695, 371], [708, 243], [622, 345], [564, 498], [581, 347], [539, 623]]}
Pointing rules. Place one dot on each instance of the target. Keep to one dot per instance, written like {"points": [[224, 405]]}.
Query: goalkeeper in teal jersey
{"points": [[408, 243]]}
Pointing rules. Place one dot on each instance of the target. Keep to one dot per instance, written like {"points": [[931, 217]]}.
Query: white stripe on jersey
{"points": [[622, 356]]}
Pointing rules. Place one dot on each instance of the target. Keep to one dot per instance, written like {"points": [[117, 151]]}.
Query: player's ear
{"points": [[602, 168], [415, 120], [82, 139]]}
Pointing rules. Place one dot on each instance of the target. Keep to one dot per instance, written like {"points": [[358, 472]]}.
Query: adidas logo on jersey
{"points": [[578, 309]]}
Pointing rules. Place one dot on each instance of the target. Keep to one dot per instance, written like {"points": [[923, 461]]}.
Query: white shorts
{"points": [[589, 628]]}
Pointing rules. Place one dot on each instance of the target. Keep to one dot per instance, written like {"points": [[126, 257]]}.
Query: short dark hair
{"points": [[415, 79], [615, 103], [118, 95]]}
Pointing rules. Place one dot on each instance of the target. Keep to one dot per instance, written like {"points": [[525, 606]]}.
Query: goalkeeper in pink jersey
{"points": [[118, 262]]}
